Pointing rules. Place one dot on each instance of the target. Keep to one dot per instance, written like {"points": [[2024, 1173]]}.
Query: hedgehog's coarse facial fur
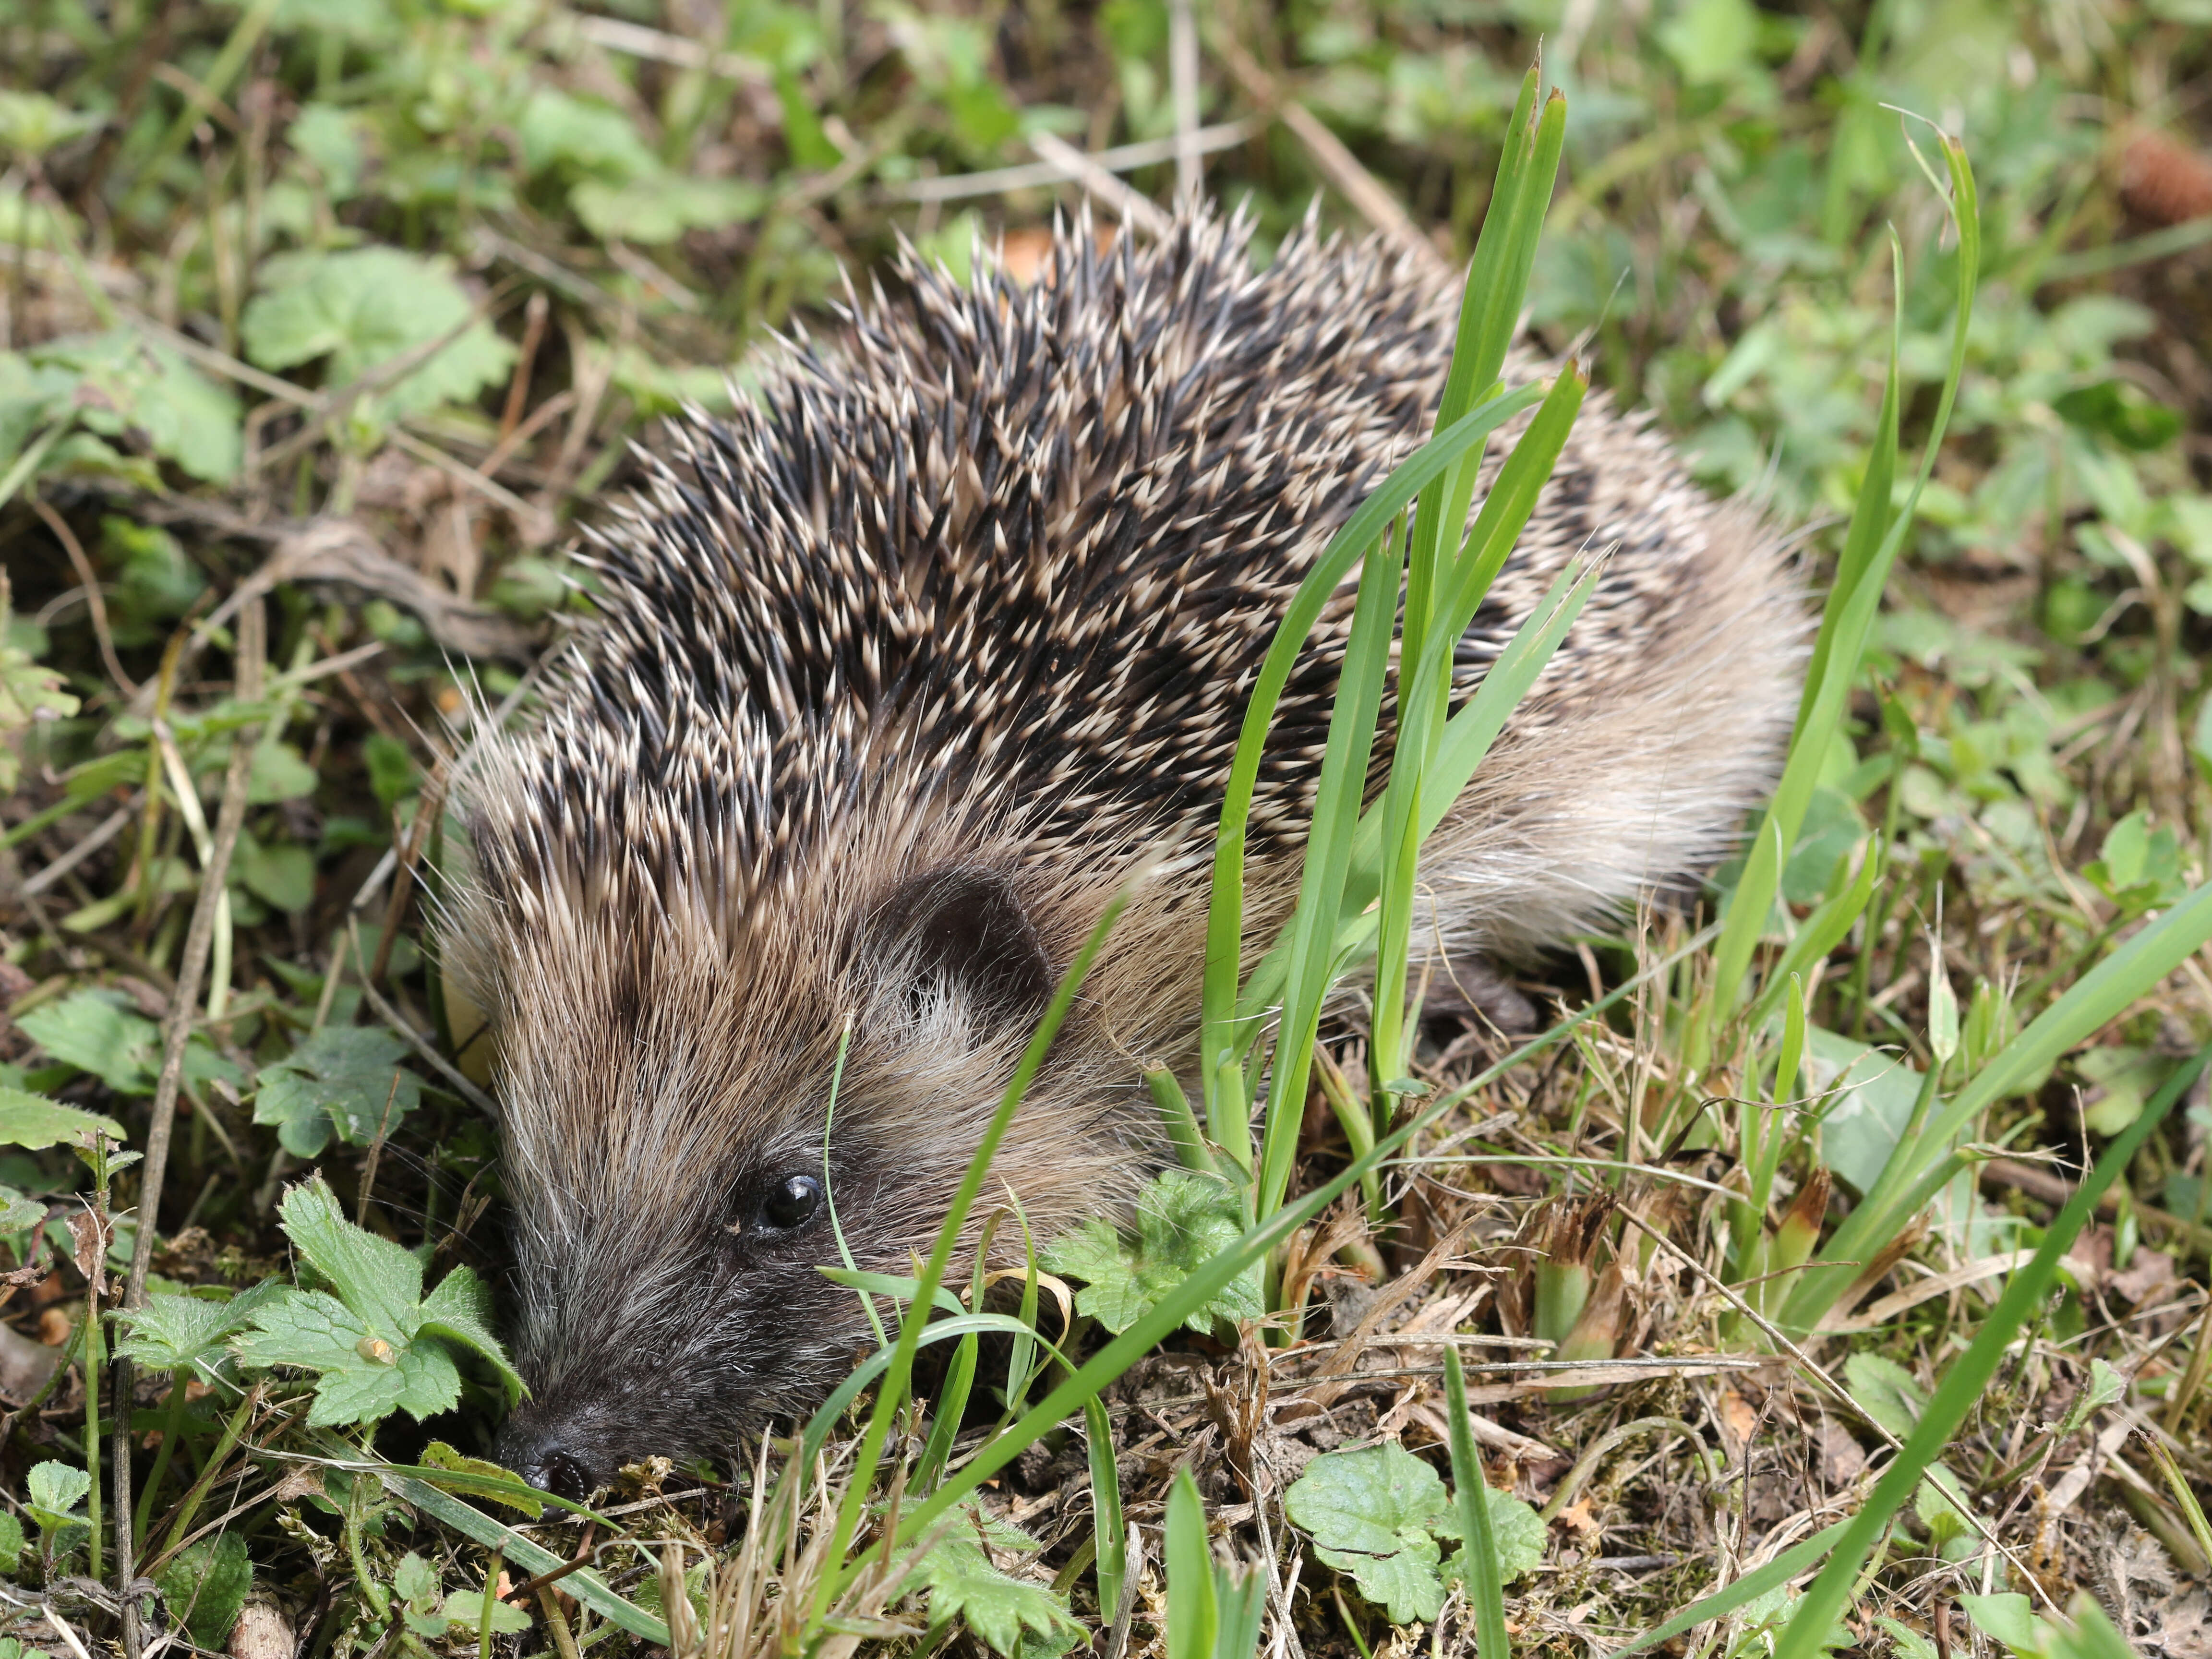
{"points": [[899, 670]]}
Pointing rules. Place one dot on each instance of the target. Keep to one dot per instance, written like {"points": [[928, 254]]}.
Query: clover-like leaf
{"points": [[1372, 1513], [1009, 1615], [346, 1078], [92, 1030], [1184, 1219]]}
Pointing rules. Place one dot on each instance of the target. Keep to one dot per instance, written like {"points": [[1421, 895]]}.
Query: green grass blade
{"points": [[2105, 994], [1485, 1587], [1760, 1581], [1467, 738], [1193, 1611], [1824, 930], [586, 1585], [1107, 1524], [1963, 1383], [1225, 933], [892, 1395], [1335, 825], [1853, 606], [1215, 1274]]}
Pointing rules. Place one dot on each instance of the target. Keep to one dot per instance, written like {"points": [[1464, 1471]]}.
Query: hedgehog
{"points": [[897, 672]]}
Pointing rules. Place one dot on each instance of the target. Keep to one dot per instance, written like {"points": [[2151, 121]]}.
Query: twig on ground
{"points": [[1124, 203], [94, 602]]}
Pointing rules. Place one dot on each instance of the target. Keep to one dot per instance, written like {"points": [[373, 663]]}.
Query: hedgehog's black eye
{"points": [[791, 1203]]}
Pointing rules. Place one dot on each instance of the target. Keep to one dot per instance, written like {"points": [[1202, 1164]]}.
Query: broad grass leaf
{"points": [[1372, 1513], [360, 308], [478, 1478], [1183, 1219], [205, 1586], [1006, 1614], [32, 1121], [340, 1080]]}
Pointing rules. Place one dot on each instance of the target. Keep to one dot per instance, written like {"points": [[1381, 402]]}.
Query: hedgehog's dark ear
{"points": [[968, 927]]}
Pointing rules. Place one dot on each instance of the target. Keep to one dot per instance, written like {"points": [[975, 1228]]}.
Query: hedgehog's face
{"points": [[666, 1115]]}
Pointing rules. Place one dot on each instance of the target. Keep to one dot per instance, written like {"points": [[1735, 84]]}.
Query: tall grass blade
{"points": [[1485, 1584], [1194, 1612], [891, 1397], [1107, 1524], [2105, 994], [1225, 933], [1847, 623], [1760, 1581]]}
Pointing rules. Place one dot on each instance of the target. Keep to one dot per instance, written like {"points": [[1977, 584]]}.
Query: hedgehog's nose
{"points": [[545, 1462]]}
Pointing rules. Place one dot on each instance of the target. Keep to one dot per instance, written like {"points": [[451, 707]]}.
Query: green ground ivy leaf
{"points": [[12, 1542], [1372, 1513], [341, 1078], [28, 692], [1184, 1219], [459, 1310], [278, 772], [465, 1608], [127, 384], [1514, 1526], [962, 1583], [281, 876], [205, 1585], [476, 1477], [659, 207], [361, 307], [93, 1031], [33, 1121], [2007, 1617], [1886, 1391]]}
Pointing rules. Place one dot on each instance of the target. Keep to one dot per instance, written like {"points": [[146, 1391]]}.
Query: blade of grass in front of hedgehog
{"points": [[1194, 1610], [1489, 308], [1228, 1032], [1318, 950], [1486, 1582], [891, 1397], [1846, 626], [1214, 1274], [1107, 1524]]}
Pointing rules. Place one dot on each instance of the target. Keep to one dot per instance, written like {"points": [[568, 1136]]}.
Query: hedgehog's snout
{"points": [[556, 1454]]}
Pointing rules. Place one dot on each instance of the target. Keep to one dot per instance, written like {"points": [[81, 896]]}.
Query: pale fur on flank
{"points": [[900, 670]]}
